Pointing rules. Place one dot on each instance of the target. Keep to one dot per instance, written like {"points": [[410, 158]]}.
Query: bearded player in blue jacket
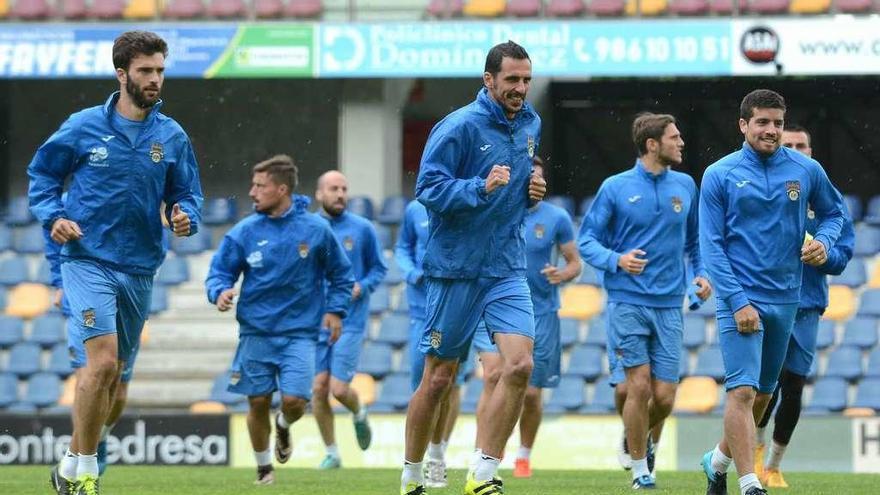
{"points": [[296, 281], [753, 212], [475, 181], [122, 160]]}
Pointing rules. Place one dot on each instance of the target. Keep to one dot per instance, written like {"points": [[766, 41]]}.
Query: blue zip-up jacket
{"points": [[753, 212], [289, 264], [658, 214], [547, 227], [361, 244], [474, 234], [409, 252], [814, 285], [116, 186]]}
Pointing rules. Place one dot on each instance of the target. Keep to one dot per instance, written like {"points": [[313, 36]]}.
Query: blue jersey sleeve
{"points": [[829, 207], [405, 249], [226, 266], [338, 273], [53, 256], [595, 224], [842, 252], [182, 186], [437, 186], [51, 165], [564, 229], [374, 261], [692, 238]]}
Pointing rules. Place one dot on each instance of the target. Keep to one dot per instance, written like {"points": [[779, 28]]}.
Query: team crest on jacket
{"points": [[539, 231], [794, 189], [348, 243], [303, 250], [531, 144], [677, 204], [157, 152], [436, 338], [88, 317]]}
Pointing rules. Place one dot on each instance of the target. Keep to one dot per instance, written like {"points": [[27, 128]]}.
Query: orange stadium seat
{"points": [[28, 300], [364, 385], [581, 301], [68, 390], [4, 8], [810, 6], [141, 9], [485, 8], [858, 412], [697, 394], [207, 407], [874, 281], [841, 303], [645, 7], [145, 333]]}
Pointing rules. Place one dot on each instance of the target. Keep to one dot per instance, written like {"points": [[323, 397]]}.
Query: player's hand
{"points": [[813, 253], [64, 230], [332, 322], [553, 274], [59, 293], [537, 187], [356, 292], [179, 221], [705, 288], [499, 176], [747, 320], [224, 301], [631, 263]]}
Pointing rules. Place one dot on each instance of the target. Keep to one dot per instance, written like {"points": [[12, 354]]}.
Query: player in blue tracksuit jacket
{"points": [[753, 210], [639, 231], [475, 181], [296, 281], [121, 159], [802, 344], [337, 361]]}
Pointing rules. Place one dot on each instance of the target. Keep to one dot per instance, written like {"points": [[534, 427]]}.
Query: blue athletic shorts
{"points": [[265, 364], [417, 359], [483, 340], [755, 359], [644, 335], [802, 344], [456, 306], [548, 351], [104, 301], [78, 353], [341, 358]]}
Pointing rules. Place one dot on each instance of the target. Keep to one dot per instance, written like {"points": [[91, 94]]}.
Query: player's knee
{"points": [[518, 370], [792, 386], [492, 376], [533, 398], [339, 389], [663, 403], [440, 380], [321, 389], [105, 369], [743, 395], [293, 406], [260, 404]]}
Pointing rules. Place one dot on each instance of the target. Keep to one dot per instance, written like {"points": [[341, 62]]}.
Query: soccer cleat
{"points": [[717, 482], [87, 485], [650, 455], [623, 456], [644, 482], [412, 488], [60, 484], [363, 431], [522, 468], [492, 487], [435, 474], [102, 457], [756, 491], [265, 475], [773, 479], [330, 462], [759, 460], [282, 442]]}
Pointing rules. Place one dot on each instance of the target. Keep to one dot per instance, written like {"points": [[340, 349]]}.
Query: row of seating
{"points": [[31, 10], [26, 358], [42, 390]]}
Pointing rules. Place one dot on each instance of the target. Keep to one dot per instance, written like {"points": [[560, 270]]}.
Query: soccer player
{"points": [[475, 180], [122, 159], [337, 361], [289, 259], [802, 344], [753, 211]]}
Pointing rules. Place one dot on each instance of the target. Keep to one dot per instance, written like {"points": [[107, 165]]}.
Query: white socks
{"points": [[776, 453], [435, 451], [264, 458], [443, 446], [361, 415], [720, 462], [333, 451], [67, 466], [640, 468], [412, 473], [486, 468], [281, 421], [747, 482], [523, 453], [475, 459], [87, 465]]}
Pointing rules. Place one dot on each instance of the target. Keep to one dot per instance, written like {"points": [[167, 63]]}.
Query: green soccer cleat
{"points": [[87, 485], [412, 488], [491, 487], [330, 462], [363, 432]]}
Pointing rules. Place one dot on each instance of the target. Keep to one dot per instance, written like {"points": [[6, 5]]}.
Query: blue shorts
{"points": [[644, 335], [456, 306], [341, 358], [755, 359], [417, 359], [483, 341], [264, 364], [548, 351], [78, 353], [802, 344], [616, 374], [105, 301]]}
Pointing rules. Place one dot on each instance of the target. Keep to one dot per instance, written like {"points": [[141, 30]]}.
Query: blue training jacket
{"points": [[547, 227], [116, 186], [289, 264], [358, 238], [409, 252], [658, 214], [814, 285], [753, 211], [474, 234]]}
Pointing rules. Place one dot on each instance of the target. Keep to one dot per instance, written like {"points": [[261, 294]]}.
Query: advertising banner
{"points": [[866, 445], [277, 50]]}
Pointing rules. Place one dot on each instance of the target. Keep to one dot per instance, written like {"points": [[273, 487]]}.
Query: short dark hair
{"points": [[281, 169], [647, 126], [507, 49], [130, 44], [799, 128], [760, 98]]}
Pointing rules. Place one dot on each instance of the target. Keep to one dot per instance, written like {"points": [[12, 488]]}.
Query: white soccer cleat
{"points": [[435, 474], [623, 456]]}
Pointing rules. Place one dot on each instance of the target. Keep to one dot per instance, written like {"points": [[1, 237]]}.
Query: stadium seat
{"points": [[697, 394], [361, 205], [24, 359], [870, 305], [11, 331], [825, 336], [874, 281], [841, 303], [28, 300], [867, 240], [586, 362], [5, 238], [4, 8], [484, 8], [29, 240], [873, 370], [710, 363], [684, 364], [18, 212], [74, 9], [854, 275], [597, 334], [304, 9], [44, 273], [872, 212], [694, 332], [868, 394], [568, 396], [107, 9], [589, 276], [564, 202], [845, 363], [569, 332], [853, 202], [688, 7], [581, 302], [524, 8], [393, 208], [43, 390], [706, 310], [395, 391], [364, 385], [376, 359], [606, 8], [59, 361], [174, 270], [394, 330], [383, 234], [860, 332], [184, 9], [393, 276], [48, 330], [2, 298], [207, 407], [402, 304], [220, 211], [158, 300], [8, 389], [268, 9], [445, 8], [472, 390], [603, 399], [219, 392], [810, 6], [227, 9], [768, 7], [380, 300], [31, 10], [726, 7], [194, 244], [645, 7], [829, 394], [141, 9]]}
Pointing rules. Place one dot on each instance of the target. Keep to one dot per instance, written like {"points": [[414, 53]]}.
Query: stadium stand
{"points": [[107, 10], [14, 271], [395, 392], [141, 9], [11, 331], [59, 361], [841, 303], [29, 240], [376, 360], [854, 275], [228, 9], [585, 362], [24, 359], [28, 300], [597, 334], [569, 396], [361, 205], [602, 401], [5, 238], [854, 6], [870, 303], [17, 212], [564, 202], [380, 300], [174, 271], [645, 7], [694, 335], [394, 330], [873, 369], [569, 332], [829, 394], [860, 332], [43, 390], [194, 244], [304, 9], [825, 336], [688, 7], [219, 211], [606, 8], [868, 394], [47, 330], [845, 363], [581, 302], [710, 363], [524, 8], [696, 394], [74, 9], [184, 9], [392, 210], [8, 389]]}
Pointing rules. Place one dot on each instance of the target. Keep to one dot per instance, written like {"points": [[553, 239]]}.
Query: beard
{"points": [[334, 209], [137, 95]]}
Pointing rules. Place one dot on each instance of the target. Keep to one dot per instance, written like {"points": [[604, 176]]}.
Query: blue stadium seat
{"points": [[29, 240], [14, 271], [8, 389], [44, 273], [694, 335], [873, 370], [24, 359], [597, 335], [2, 298], [586, 362], [219, 392], [376, 360], [868, 394], [472, 390], [219, 211], [194, 244], [829, 394], [860, 332], [18, 212], [361, 205], [870, 303], [706, 310], [59, 361], [867, 240], [568, 396], [569, 332], [158, 300], [43, 390], [825, 336], [589, 276], [393, 208], [854, 275], [394, 330], [854, 205], [395, 391], [872, 212], [21, 409], [813, 374], [174, 270], [11, 331], [844, 362], [402, 304], [603, 398], [383, 235], [380, 300], [710, 363], [5, 238], [48, 330], [393, 276], [564, 202], [585, 204]]}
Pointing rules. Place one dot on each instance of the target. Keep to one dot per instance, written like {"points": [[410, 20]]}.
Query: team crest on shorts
{"points": [[677, 204], [794, 189], [157, 152], [436, 338], [531, 145], [88, 317], [303, 250], [539, 231], [348, 243], [234, 378]]}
